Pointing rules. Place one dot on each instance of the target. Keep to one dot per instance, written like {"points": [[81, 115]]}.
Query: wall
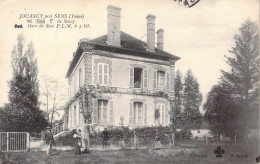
{"points": [[119, 76], [121, 70], [121, 107]]}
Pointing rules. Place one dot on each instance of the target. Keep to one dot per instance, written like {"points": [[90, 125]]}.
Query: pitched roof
{"points": [[132, 43], [129, 45]]}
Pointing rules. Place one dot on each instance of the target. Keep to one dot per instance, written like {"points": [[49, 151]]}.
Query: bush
{"points": [[145, 135], [65, 139]]}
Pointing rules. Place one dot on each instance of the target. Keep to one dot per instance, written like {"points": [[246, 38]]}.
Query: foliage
{"points": [[178, 101], [221, 111], [178, 92], [232, 105], [65, 139], [22, 113], [244, 62], [145, 135], [191, 117]]}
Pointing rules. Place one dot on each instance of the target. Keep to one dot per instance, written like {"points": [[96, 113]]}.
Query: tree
{"points": [[221, 111], [178, 92], [191, 116], [177, 106], [244, 74], [178, 100], [53, 96], [22, 113]]}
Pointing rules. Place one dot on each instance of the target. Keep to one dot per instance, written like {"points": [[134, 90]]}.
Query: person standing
{"points": [[49, 140], [105, 136], [77, 138]]}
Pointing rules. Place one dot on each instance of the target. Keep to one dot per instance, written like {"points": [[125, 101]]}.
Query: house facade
{"points": [[117, 79]]}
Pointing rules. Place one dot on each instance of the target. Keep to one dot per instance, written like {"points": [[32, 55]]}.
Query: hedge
{"points": [[145, 136]]}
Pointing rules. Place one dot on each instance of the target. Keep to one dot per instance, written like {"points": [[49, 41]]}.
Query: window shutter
{"points": [[145, 78], [131, 113], [154, 79], [131, 77], [163, 106], [166, 116], [100, 71], [145, 113], [104, 112], [105, 74], [111, 112], [167, 81], [95, 111], [160, 114]]}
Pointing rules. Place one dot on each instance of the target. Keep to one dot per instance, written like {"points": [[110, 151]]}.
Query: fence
{"points": [[14, 141]]}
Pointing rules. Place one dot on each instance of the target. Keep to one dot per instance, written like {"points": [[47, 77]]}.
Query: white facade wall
{"points": [[119, 76]]}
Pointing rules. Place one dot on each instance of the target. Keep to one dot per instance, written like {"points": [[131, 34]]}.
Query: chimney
{"points": [[160, 38], [113, 26], [150, 32]]}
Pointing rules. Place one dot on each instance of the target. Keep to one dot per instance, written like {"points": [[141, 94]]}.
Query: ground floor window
{"points": [[163, 114], [138, 110], [102, 111]]}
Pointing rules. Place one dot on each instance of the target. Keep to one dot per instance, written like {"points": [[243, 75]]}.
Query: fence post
{"points": [[207, 142], [27, 141], [235, 139], [7, 141]]}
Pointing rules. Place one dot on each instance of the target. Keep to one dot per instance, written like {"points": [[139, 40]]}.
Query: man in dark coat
{"points": [[105, 136], [49, 140]]}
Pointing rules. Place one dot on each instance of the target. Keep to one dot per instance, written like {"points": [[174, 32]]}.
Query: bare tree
{"points": [[53, 96]]}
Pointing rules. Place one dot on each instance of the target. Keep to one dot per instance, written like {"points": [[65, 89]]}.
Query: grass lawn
{"points": [[236, 154]]}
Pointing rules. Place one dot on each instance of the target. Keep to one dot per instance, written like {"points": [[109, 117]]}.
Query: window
{"points": [[78, 115], [74, 85], [160, 79], [103, 74], [102, 111], [70, 94], [70, 118], [138, 77], [163, 114], [138, 110], [75, 121], [79, 77]]}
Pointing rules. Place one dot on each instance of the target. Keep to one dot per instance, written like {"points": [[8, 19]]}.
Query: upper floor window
{"points": [[138, 77], [80, 77], [161, 80], [70, 86], [103, 73], [75, 85]]}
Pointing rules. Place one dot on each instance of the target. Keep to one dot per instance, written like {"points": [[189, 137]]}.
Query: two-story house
{"points": [[126, 79]]}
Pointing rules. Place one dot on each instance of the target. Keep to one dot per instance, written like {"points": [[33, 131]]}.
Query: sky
{"points": [[200, 35]]}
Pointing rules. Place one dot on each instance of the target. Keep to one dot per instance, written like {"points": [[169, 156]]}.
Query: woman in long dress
{"points": [[77, 144]]}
